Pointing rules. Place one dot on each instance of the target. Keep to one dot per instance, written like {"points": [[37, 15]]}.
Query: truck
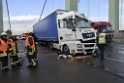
{"points": [[68, 31], [107, 27]]}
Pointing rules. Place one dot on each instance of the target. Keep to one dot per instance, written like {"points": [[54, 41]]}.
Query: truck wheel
{"points": [[66, 50]]}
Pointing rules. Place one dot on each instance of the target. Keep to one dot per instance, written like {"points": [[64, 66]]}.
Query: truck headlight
{"points": [[79, 45]]}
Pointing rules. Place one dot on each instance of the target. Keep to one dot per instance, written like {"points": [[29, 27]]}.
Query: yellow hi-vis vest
{"points": [[102, 38]]}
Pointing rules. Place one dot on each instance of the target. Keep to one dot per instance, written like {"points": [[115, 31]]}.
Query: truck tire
{"points": [[66, 50]]}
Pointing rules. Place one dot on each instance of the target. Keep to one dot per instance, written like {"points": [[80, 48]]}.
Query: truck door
{"points": [[66, 30]]}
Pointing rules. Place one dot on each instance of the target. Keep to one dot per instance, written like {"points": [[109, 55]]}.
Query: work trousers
{"points": [[4, 61], [14, 60], [102, 49], [35, 53], [31, 60]]}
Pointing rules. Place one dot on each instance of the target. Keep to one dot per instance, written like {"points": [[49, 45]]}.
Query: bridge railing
{"points": [[118, 38]]}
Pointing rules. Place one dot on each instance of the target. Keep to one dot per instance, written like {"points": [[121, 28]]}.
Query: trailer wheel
{"points": [[66, 50]]}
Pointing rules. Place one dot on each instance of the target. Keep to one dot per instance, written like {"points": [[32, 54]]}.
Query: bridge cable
{"points": [[99, 7], [8, 14], [88, 7], [121, 12], [43, 9]]}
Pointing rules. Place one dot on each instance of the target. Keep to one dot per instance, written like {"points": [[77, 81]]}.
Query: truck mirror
{"points": [[59, 23]]}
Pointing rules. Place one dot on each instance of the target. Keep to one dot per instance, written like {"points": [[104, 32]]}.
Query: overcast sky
{"points": [[25, 13]]}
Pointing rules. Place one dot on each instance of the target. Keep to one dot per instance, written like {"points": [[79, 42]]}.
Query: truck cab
{"points": [[76, 34], [107, 27]]}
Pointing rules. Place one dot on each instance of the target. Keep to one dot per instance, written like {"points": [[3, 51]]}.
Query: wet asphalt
{"points": [[49, 70]]}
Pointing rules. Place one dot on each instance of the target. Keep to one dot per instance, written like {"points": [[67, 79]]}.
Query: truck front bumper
{"points": [[86, 48]]}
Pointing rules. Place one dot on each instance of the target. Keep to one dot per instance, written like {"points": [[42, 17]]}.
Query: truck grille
{"points": [[88, 35], [90, 45], [89, 41], [89, 51]]}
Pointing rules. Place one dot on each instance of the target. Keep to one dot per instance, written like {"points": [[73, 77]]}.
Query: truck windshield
{"points": [[107, 28], [82, 23]]}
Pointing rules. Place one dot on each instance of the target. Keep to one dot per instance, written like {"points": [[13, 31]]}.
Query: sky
{"points": [[25, 13]]}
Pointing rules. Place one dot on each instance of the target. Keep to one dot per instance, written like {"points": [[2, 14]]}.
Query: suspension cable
{"points": [[99, 7], [43, 9], [59, 4], [88, 8], [121, 12], [78, 1], [8, 14]]}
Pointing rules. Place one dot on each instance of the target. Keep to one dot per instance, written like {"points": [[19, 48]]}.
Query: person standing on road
{"points": [[13, 51], [30, 49], [36, 43], [102, 43], [3, 51]]}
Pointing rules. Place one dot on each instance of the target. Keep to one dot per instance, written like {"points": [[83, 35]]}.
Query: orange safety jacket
{"points": [[27, 44], [12, 43], [13, 49], [3, 45]]}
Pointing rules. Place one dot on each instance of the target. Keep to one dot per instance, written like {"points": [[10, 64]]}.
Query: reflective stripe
{"points": [[17, 61], [11, 60], [4, 67], [102, 38], [34, 63], [3, 54], [31, 53]]}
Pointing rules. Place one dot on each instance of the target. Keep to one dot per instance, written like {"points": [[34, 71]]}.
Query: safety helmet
{"points": [[29, 31], [13, 34], [25, 32], [3, 33]]}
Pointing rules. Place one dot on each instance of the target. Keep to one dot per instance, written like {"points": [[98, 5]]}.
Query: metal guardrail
{"points": [[118, 38]]}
